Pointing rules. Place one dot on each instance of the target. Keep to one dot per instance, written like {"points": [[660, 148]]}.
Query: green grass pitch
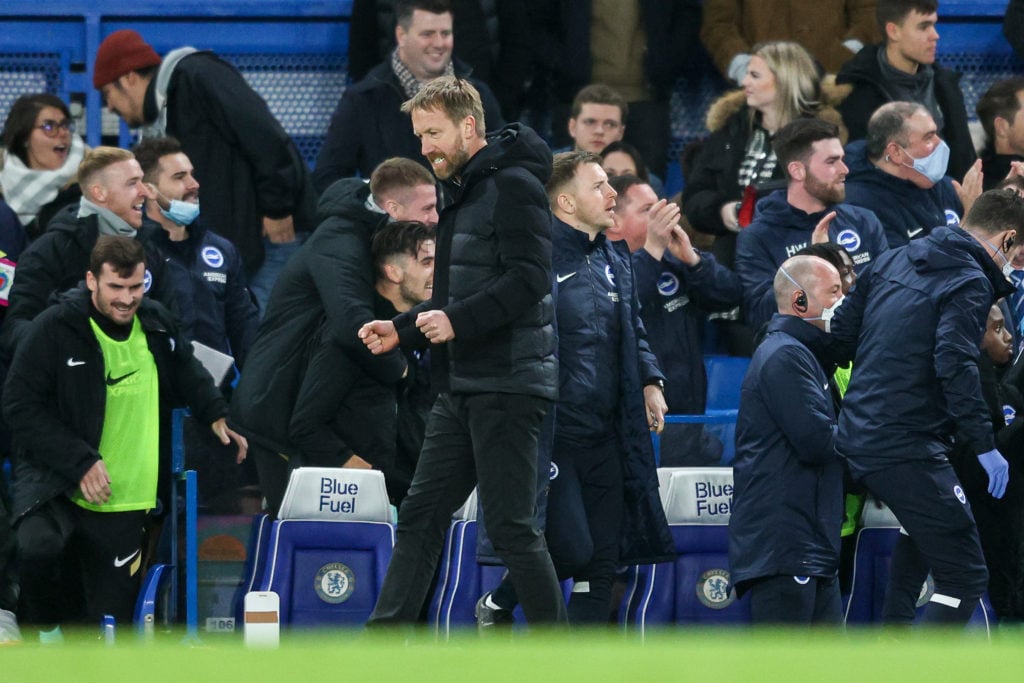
{"points": [[704, 656]]}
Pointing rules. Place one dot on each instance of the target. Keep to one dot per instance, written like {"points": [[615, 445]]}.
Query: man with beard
{"points": [[258, 191], [810, 209], [489, 327], [216, 308], [84, 403]]}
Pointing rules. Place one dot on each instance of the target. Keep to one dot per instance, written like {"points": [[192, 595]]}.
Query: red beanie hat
{"points": [[121, 52]]}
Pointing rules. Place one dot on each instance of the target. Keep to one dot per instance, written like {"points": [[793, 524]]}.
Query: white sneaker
{"points": [[9, 632]]}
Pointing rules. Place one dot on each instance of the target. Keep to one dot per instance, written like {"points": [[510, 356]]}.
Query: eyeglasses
{"points": [[1008, 244], [52, 128]]}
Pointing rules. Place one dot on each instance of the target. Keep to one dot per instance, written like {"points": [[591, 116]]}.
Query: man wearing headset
{"points": [[787, 511]]}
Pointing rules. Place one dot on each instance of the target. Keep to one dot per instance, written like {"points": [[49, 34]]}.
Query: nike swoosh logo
{"points": [[73, 363], [118, 562], [111, 381], [563, 278], [912, 233]]}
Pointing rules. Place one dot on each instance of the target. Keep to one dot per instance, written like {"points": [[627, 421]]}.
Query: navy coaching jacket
{"points": [[603, 268], [917, 318], [787, 506]]}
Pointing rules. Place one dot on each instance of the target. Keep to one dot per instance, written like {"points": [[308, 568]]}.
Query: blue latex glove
{"points": [[998, 472]]}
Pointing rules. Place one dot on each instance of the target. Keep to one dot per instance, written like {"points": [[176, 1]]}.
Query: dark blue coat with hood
{"points": [[916, 319], [781, 230], [601, 268], [905, 210], [787, 505]]}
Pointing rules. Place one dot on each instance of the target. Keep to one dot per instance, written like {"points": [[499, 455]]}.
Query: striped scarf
{"points": [[28, 190], [410, 85]]}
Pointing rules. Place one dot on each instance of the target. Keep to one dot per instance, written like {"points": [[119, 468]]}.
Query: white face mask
{"points": [[827, 313]]}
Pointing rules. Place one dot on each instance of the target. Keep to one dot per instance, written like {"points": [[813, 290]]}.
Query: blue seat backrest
{"points": [[725, 375], [255, 562], [872, 558], [695, 588], [327, 572]]}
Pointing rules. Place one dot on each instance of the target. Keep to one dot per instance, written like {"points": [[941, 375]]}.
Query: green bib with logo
{"points": [[130, 444]]}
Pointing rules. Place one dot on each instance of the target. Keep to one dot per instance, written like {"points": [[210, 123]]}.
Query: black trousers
{"points": [[65, 550], [584, 526], [8, 577], [490, 441], [796, 600], [941, 537]]}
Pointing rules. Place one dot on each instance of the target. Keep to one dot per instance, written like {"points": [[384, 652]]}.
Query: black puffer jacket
{"points": [[492, 274], [54, 405], [323, 295]]}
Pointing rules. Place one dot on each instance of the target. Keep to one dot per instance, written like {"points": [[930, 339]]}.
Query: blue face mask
{"points": [[182, 213], [1007, 266], [933, 167]]}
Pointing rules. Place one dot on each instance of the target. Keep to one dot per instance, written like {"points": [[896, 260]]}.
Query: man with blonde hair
{"points": [[489, 328], [113, 196]]}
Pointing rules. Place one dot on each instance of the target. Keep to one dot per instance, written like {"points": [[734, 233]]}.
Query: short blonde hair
{"points": [[456, 97], [96, 160]]}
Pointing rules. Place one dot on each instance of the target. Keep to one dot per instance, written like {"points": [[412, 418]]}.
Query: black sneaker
{"points": [[489, 617]]}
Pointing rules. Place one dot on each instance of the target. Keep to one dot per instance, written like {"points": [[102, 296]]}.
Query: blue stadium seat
{"points": [[461, 579], [725, 376], [695, 588], [330, 548], [875, 541], [255, 563]]}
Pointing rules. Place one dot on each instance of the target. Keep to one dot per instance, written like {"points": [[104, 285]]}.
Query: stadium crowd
{"points": [[453, 300]]}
